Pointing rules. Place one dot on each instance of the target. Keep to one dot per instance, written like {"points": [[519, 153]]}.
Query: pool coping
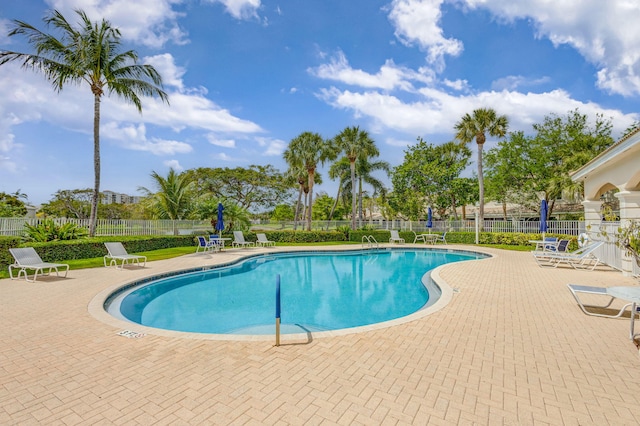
{"points": [[96, 306]]}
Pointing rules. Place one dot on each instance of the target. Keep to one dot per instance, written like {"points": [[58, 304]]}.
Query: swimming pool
{"points": [[320, 291]]}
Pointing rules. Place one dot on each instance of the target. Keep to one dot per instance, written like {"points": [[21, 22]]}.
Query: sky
{"points": [[244, 77]]}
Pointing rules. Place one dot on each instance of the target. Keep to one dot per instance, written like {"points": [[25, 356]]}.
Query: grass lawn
{"points": [[169, 253]]}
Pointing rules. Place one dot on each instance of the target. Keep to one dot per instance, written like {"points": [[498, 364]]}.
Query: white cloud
{"points": [[221, 156], [240, 9], [274, 147], [134, 138], [151, 22], [225, 143], [389, 77], [606, 33], [513, 82], [174, 164], [167, 68], [417, 21], [437, 111]]}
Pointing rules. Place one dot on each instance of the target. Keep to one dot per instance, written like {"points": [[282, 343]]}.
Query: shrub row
{"points": [[86, 248]]}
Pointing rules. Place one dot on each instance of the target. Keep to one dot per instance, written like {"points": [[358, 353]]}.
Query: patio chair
{"points": [[442, 238], [583, 258], [263, 241], [239, 241], [395, 237], [117, 252], [27, 258], [205, 245], [600, 291]]}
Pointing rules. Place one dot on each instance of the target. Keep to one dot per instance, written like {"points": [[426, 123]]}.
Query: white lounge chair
{"points": [[27, 258], [600, 291], [263, 241], [239, 241], [117, 252], [395, 237], [583, 258]]}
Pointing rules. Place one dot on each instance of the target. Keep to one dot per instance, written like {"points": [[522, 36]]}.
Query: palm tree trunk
{"points": [[335, 205], [311, 182], [93, 217], [481, 186], [296, 215], [360, 201], [352, 166]]}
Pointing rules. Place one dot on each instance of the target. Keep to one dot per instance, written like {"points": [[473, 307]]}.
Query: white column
{"points": [[629, 210], [592, 215]]}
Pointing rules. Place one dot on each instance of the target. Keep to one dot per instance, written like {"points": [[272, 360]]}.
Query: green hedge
{"points": [[287, 236], [86, 248], [57, 251]]}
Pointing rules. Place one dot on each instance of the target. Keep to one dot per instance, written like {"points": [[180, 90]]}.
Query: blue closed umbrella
{"points": [[543, 217], [220, 222], [429, 219]]}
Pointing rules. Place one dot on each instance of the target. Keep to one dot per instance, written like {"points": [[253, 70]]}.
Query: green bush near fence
{"points": [[87, 248], [286, 236], [57, 251]]}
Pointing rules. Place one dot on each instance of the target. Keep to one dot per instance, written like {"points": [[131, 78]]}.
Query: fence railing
{"points": [[115, 227], [609, 253], [123, 227], [568, 227]]}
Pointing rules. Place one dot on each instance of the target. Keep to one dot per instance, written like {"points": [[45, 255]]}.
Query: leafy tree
{"points": [[89, 53], [522, 168], [308, 150], [255, 187], [235, 216], [11, 205], [322, 207], [429, 175], [476, 126], [173, 198], [282, 212], [69, 203], [355, 144]]}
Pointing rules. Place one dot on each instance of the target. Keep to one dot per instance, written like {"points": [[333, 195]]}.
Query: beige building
{"points": [[618, 167]]}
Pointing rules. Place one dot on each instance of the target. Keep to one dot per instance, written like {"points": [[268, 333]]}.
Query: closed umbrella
{"points": [[429, 219], [543, 217], [220, 222]]}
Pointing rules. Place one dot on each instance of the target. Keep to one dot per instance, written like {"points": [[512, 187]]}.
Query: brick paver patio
{"points": [[511, 347]]}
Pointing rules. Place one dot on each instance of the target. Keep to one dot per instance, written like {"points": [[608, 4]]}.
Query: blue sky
{"points": [[245, 77]]}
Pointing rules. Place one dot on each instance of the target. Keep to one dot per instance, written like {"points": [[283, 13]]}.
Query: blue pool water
{"points": [[319, 291]]}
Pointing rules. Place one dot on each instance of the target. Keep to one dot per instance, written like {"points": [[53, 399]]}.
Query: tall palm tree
{"points": [[365, 170], [355, 143], [341, 171], [173, 198], [308, 150], [87, 53], [301, 177], [470, 127]]}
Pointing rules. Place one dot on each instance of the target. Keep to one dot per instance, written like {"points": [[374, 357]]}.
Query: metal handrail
{"points": [[370, 241]]}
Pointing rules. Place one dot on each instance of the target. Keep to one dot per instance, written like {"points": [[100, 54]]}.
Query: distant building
{"points": [[110, 197]]}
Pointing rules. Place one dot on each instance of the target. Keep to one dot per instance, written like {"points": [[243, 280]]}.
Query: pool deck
{"points": [[510, 348]]}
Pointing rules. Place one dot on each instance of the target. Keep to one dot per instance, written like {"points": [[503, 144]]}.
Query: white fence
{"points": [[118, 227], [15, 226], [609, 253]]}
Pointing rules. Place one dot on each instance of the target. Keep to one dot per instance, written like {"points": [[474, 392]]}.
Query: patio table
{"points": [[629, 294], [542, 245]]}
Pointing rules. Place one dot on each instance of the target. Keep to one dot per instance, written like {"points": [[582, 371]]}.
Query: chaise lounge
{"points": [[599, 291], [27, 258], [117, 252]]}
